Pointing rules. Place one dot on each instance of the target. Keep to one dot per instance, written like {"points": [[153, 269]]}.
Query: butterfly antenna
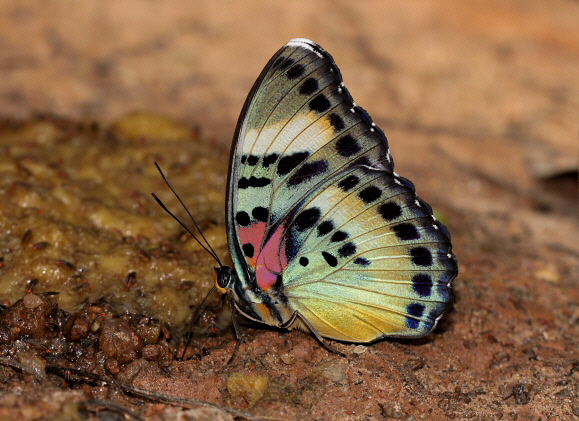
{"points": [[184, 226], [208, 249]]}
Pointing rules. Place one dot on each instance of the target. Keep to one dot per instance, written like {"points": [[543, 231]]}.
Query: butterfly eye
{"points": [[222, 277]]}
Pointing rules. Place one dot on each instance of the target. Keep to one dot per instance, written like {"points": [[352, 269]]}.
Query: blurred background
{"points": [[478, 69]]}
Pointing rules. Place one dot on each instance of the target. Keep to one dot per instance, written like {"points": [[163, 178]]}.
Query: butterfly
{"points": [[323, 234]]}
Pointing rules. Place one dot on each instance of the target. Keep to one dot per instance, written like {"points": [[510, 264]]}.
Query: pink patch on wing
{"points": [[253, 235], [271, 260]]}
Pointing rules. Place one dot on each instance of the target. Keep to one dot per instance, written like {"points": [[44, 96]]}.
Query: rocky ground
{"points": [[479, 102]]}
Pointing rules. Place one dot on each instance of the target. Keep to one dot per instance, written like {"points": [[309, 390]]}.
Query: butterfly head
{"points": [[223, 278]]}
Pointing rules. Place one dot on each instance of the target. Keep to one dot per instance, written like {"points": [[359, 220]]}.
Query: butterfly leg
{"points": [[236, 330], [194, 318], [219, 306], [313, 330]]}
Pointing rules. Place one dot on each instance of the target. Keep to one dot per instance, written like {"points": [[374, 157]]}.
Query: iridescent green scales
{"points": [[321, 229]]}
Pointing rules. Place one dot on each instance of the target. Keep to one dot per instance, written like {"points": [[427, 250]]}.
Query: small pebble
{"points": [[32, 301], [415, 364], [149, 330], [250, 387], [547, 274], [359, 349], [151, 352], [391, 410], [334, 371], [112, 366], [33, 363], [521, 394], [79, 328], [288, 359], [202, 414], [117, 339]]}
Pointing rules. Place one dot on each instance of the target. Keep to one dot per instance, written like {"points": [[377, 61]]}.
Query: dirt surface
{"points": [[479, 102]]}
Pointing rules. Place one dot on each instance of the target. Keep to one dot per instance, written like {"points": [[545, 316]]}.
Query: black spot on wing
{"points": [[406, 232], [336, 122], [253, 182], [348, 183], [284, 64], [370, 194], [389, 211], [278, 61], [320, 104], [269, 159], [309, 86], [242, 218], [260, 213], [331, 260], [324, 228], [307, 219], [415, 311], [295, 71], [347, 146], [338, 236], [363, 161], [252, 160], [304, 261], [308, 171], [347, 249], [258, 182], [248, 250], [421, 256], [288, 163], [361, 261], [422, 284]]}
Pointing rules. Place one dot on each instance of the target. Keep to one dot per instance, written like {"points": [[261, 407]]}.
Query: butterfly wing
{"points": [[319, 222]]}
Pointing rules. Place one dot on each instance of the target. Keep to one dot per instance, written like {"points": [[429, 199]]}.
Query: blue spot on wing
{"points": [[415, 311], [422, 284]]}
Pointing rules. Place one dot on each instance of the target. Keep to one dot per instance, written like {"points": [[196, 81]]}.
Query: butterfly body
{"points": [[322, 232]]}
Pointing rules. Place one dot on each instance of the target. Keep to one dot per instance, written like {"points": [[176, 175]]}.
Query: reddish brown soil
{"points": [[479, 102]]}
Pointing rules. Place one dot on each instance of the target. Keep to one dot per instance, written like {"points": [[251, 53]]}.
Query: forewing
{"points": [[297, 130]]}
